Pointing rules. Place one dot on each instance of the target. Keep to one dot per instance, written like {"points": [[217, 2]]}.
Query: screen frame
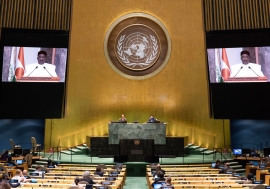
{"points": [[43, 100], [238, 100]]}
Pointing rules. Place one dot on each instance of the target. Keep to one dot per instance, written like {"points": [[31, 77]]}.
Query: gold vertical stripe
{"points": [[207, 15], [215, 14], [20, 14], [236, 14], [45, 25], [9, 13], [243, 7], [249, 12], [267, 7], [54, 20], [255, 12], [35, 14], [26, 17], [32, 14], [212, 16], [231, 13], [50, 16], [263, 13]]}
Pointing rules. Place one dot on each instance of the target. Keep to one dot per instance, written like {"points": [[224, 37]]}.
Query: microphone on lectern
{"points": [[253, 71], [238, 71], [32, 71], [47, 71]]}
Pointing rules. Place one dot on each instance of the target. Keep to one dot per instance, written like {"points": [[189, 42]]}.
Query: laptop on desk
{"points": [[157, 185], [19, 161]]}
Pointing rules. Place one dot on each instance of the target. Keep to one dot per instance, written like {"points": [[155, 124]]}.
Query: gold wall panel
{"points": [[35, 14], [177, 95], [236, 14]]}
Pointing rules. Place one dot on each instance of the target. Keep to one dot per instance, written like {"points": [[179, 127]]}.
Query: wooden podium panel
{"points": [[137, 150], [245, 79], [38, 79]]}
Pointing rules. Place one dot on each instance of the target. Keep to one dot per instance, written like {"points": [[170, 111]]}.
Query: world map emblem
{"points": [[137, 47]]}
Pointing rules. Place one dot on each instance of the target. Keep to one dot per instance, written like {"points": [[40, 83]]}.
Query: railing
{"points": [[111, 152], [219, 151]]}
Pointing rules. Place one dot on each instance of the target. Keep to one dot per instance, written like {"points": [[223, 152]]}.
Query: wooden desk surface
{"points": [[187, 169], [260, 172], [267, 179], [75, 173], [22, 157], [83, 165], [53, 185], [248, 158], [192, 165], [84, 169], [57, 183]]}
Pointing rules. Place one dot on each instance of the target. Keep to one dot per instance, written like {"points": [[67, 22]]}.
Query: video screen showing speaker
{"points": [[238, 65], [34, 64], [33, 72], [239, 73]]}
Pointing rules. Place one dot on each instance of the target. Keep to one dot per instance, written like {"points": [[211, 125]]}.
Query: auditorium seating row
{"points": [[198, 177], [55, 178]]}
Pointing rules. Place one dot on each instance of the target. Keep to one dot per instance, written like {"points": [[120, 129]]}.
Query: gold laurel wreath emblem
{"points": [[126, 61], [137, 142]]}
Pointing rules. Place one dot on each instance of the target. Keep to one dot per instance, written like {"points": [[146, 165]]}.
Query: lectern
{"points": [[245, 79], [38, 79], [138, 150]]}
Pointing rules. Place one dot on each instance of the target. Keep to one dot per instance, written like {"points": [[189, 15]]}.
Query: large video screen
{"points": [[34, 64], [33, 68], [238, 66]]}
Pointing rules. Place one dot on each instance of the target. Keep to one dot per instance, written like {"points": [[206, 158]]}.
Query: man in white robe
{"points": [[40, 69], [246, 68]]}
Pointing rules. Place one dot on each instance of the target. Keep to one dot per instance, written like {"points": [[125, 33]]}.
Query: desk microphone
{"points": [[47, 71], [253, 71], [238, 71], [32, 71]]}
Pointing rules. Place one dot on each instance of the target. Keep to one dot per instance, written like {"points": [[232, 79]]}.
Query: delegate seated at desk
{"points": [[246, 69], [122, 119], [40, 69], [152, 119], [10, 162]]}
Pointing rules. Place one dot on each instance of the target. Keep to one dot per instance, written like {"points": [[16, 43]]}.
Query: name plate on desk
{"points": [[136, 151], [118, 131]]}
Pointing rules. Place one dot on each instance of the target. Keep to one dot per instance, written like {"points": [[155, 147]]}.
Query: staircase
{"points": [[77, 150], [197, 150], [238, 168]]}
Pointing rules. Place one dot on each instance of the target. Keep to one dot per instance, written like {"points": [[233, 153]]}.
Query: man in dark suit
{"points": [[122, 119], [151, 119], [160, 177]]}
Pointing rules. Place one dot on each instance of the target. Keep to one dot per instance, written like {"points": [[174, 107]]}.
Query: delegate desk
{"points": [[244, 160], [118, 131]]}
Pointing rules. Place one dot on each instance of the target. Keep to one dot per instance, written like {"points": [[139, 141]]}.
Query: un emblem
{"points": [[137, 46], [137, 142]]}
